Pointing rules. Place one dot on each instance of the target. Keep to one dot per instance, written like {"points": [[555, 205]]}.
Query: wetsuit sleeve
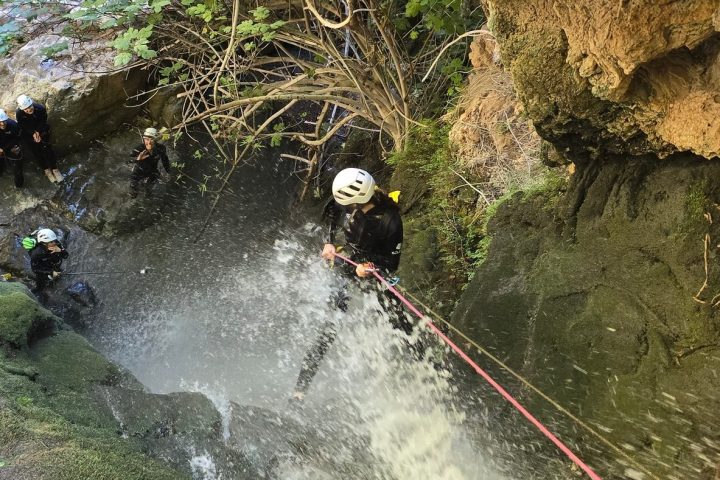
{"points": [[136, 151], [42, 119], [15, 131], [21, 119], [162, 151], [332, 214]]}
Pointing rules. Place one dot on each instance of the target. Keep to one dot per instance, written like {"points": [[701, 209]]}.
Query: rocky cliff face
{"points": [[590, 293], [605, 292], [617, 77]]}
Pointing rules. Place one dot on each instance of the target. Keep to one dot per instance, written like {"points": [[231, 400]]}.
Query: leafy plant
{"points": [[53, 50], [133, 40]]}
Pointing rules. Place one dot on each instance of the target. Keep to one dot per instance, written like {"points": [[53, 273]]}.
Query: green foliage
{"points": [[17, 14], [442, 16], [455, 71], [276, 137], [169, 72], [53, 50], [258, 27], [8, 34], [133, 41], [452, 208]]}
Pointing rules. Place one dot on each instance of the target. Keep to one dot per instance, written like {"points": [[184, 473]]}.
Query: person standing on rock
{"points": [[146, 157], [33, 120], [373, 234], [46, 257], [10, 149]]}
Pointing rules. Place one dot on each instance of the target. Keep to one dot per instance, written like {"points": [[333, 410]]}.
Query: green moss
{"points": [[53, 425], [37, 444], [441, 202], [696, 204], [20, 315]]}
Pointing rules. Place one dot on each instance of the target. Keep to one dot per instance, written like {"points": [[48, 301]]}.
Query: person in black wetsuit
{"points": [[46, 257], [373, 230], [10, 149], [146, 158], [33, 120]]}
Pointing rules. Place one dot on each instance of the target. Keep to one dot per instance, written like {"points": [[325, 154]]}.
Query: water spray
{"points": [[142, 271]]}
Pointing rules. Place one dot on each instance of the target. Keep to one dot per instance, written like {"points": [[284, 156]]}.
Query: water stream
{"points": [[232, 314]]}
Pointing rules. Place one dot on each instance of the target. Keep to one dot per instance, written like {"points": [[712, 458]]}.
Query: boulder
{"points": [[183, 428], [21, 318], [86, 96]]}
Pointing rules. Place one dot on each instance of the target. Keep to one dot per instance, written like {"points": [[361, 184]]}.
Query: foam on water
{"points": [[241, 337]]}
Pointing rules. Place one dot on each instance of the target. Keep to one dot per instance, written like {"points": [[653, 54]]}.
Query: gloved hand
{"points": [[328, 252], [365, 269], [55, 275], [29, 243]]}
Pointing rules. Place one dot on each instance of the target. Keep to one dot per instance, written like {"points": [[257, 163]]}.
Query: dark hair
{"points": [[381, 199]]}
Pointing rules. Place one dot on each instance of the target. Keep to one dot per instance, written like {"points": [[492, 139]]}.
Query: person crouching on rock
{"points": [[373, 231], [10, 149], [46, 257], [146, 158], [33, 120]]}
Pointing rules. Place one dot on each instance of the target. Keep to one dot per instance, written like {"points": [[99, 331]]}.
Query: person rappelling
{"points": [[46, 257], [33, 120], [372, 227], [146, 156]]}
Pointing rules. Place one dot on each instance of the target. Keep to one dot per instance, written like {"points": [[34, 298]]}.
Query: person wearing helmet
{"points": [[10, 149], [372, 228], [46, 256], [146, 158], [369, 219], [33, 120]]}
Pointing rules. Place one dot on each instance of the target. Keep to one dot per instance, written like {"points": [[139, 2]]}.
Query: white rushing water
{"points": [[232, 315], [241, 335]]}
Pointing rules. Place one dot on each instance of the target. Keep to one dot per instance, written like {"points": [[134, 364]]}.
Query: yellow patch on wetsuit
{"points": [[395, 196]]}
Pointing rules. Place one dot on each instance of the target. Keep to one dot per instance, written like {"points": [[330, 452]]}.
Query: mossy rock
{"points": [[595, 296], [21, 317]]}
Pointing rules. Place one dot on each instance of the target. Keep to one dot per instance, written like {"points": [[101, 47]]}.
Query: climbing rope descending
{"points": [[544, 430], [540, 393]]}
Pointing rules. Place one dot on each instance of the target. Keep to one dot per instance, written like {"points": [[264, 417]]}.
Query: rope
{"points": [[539, 392], [569, 453]]}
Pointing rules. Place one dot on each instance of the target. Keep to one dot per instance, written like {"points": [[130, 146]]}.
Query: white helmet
{"points": [[3, 116], [353, 185], [23, 102], [45, 235], [150, 132]]}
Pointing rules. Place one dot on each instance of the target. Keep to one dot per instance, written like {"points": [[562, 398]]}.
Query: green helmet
{"points": [[29, 243]]}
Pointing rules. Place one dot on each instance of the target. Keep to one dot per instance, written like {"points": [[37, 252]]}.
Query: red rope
{"points": [[564, 448]]}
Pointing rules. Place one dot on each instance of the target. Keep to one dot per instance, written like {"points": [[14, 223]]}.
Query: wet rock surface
{"points": [[51, 426], [184, 429], [589, 293]]}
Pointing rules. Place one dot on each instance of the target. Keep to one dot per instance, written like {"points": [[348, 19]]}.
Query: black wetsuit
{"points": [[43, 263], [37, 122], [10, 139], [147, 170], [375, 236]]}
